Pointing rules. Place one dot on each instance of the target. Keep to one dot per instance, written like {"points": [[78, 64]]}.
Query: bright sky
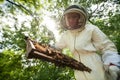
{"points": [[48, 22], [51, 25]]}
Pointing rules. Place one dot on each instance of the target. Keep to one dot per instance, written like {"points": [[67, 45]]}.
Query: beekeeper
{"points": [[88, 45]]}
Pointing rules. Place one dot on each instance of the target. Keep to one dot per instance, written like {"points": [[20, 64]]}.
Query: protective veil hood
{"points": [[77, 9]]}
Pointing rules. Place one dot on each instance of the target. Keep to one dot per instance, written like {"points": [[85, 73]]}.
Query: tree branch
{"points": [[19, 5]]}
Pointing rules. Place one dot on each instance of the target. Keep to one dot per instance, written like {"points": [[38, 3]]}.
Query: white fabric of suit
{"points": [[85, 43]]}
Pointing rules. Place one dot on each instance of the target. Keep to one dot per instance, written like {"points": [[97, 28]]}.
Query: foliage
{"points": [[109, 22], [24, 17], [14, 67], [52, 72], [10, 66]]}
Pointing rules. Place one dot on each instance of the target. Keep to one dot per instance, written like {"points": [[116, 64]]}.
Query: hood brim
{"points": [[83, 17]]}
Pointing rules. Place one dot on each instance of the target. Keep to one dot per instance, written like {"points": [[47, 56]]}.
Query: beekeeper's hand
{"points": [[113, 71]]}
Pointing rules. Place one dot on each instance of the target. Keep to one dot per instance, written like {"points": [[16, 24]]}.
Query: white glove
{"points": [[113, 71]]}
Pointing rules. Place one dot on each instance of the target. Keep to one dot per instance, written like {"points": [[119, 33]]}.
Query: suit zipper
{"points": [[79, 55]]}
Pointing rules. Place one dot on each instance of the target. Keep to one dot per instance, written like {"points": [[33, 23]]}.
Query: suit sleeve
{"points": [[106, 46], [61, 43]]}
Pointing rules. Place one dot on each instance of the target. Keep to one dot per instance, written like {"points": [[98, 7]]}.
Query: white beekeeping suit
{"points": [[84, 41]]}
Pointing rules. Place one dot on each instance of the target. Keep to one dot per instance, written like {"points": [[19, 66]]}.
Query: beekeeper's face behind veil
{"points": [[74, 17]]}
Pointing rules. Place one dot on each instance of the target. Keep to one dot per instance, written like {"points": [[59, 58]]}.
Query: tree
{"points": [[20, 17]]}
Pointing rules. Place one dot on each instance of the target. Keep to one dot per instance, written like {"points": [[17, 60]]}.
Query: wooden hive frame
{"points": [[37, 51]]}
